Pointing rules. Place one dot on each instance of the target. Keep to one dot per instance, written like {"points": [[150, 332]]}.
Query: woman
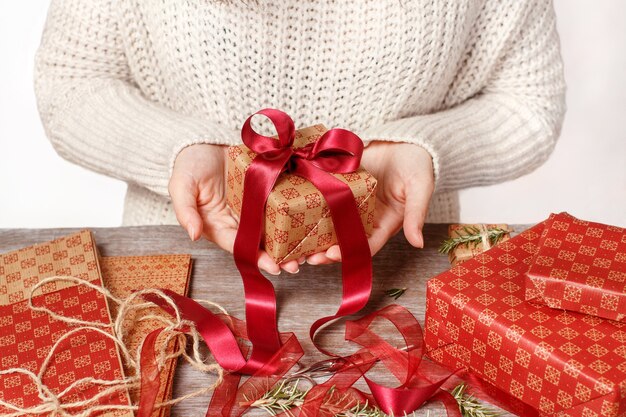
{"points": [[447, 95]]}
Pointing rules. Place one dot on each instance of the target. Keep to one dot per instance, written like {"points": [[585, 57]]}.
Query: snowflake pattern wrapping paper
{"points": [[580, 266], [297, 218], [559, 362], [27, 336]]}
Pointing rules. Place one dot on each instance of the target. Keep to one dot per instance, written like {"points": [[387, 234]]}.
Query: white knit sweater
{"points": [[124, 85]]}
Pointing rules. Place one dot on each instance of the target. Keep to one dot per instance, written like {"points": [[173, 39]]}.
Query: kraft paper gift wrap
{"points": [[297, 218], [558, 362], [580, 266]]}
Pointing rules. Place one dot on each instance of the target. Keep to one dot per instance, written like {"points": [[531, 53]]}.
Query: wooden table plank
{"points": [[312, 293]]}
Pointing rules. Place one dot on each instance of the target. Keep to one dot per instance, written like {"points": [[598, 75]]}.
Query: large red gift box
{"points": [[558, 362], [580, 266]]}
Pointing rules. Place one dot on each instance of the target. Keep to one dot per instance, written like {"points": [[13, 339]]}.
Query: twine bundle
{"points": [[484, 237], [174, 328]]}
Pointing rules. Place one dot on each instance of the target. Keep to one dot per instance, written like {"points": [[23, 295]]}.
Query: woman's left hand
{"points": [[405, 184]]}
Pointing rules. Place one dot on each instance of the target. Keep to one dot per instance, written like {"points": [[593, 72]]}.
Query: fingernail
{"points": [[295, 272], [274, 273], [302, 260], [311, 262], [191, 233]]}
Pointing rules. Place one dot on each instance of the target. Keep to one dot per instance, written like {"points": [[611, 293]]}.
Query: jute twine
{"points": [[484, 236], [175, 328]]}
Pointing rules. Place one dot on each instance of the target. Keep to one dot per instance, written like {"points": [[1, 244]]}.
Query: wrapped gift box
{"points": [[466, 251], [580, 266], [559, 362], [297, 218]]}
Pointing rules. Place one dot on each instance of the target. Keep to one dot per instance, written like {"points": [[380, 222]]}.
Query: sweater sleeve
{"points": [[510, 125], [94, 114]]}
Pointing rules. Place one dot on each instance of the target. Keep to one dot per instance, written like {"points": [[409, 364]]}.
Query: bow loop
{"points": [[338, 151], [270, 148]]}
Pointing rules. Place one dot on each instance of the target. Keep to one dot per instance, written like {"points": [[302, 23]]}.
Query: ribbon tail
{"points": [[150, 377], [356, 266], [223, 397], [219, 338], [449, 402], [261, 317], [401, 401]]}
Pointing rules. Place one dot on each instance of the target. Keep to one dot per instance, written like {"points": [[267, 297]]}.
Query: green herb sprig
{"points": [[282, 397], [395, 293], [472, 236], [469, 405], [287, 395]]}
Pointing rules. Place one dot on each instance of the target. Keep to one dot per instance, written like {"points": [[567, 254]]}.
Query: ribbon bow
{"points": [[337, 151]]}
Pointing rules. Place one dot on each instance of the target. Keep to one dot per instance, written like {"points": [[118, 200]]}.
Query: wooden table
{"points": [[312, 293]]}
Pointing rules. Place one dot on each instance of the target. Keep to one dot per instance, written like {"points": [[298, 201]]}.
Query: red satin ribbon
{"points": [[273, 354], [337, 151]]}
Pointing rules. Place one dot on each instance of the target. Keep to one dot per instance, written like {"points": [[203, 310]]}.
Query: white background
{"points": [[585, 176]]}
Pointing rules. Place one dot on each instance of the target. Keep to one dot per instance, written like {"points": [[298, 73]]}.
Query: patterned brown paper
{"points": [[580, 266], [465, 252], [124, 274], [561, 363], [27, 336], [297, 218]]}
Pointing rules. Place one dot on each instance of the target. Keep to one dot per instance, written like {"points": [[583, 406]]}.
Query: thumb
{"points": [[184, 194], [417, 199]]}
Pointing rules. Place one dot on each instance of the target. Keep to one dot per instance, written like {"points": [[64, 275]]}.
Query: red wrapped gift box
{"points": [[580, 266], [559, 362]]}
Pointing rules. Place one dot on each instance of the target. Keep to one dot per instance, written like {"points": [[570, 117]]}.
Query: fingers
{"points": [[389, 222], [221, 226], [224, 237], [221, 234], [320, 258], [267, 264], [417, 199], [184, 194], [293, 267], [334, 253]]}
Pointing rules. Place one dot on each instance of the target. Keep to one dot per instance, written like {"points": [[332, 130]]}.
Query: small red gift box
{"points": [[580, 266], [558, 362]]}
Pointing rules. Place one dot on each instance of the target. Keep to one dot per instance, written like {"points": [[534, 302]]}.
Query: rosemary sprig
{"points": [[287, 395], [473, 236], [469, 405], [362, 410], [282, 397], [395, 293]]}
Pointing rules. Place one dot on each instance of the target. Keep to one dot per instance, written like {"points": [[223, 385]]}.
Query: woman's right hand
{"points": [[198, 191]]}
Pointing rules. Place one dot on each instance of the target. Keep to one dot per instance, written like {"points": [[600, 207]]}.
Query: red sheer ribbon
{"points": [[231, 399]]}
